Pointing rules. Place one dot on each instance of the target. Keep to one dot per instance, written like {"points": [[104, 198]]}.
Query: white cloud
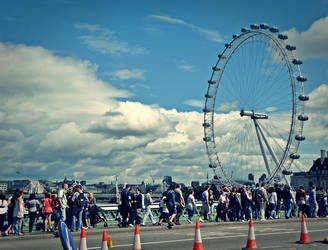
{"points": [[311, 43], [105, 41], [195, 103], [212, 35], [228, 106], [125, 74]]}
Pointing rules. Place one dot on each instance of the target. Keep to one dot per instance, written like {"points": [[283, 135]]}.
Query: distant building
{"points": [[318, 174], [250, 177], [195, 184], [168, 180], [262, 178], [3, 186], [34, 187]]}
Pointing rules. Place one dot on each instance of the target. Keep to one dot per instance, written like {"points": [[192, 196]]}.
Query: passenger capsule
{"points": [[207, 139], [211, 81], [206, 125], [282, 36], [254, 26], [290, 47], [301, 78], [234, 36], [216, 68], [294, 156], [208, 96], [303, 118], [274, 29], [285, 172], [222, 56], [297, 62], [206, 110], [300, 137], [303, 97], [228, 45], [264, 26], [244, 30], [212, 166]]}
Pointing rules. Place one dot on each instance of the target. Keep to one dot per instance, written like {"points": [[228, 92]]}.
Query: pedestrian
{"points": [[234, 205], [180, 204], [222, 208], [211, 204], [313, 202], [165, 214], [273, 200], [148, 203], [33, 206], [320, 195], [125, 204], [256, 205], [205, 210], [3, 211], [78, 203], [12, 202], [62, 199], [262, 200], [191, 206], [139, 204], [85, 213], [92, 209], [170, 202], [300, 200], [19, 212], [247, 202], [287, 200], [47, 212], [69, 210]]}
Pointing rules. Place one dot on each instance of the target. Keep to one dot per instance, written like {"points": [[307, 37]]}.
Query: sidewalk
{"points": [[112, 228]]}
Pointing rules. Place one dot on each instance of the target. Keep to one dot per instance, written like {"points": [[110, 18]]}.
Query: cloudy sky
{"points": [[94, 89]]}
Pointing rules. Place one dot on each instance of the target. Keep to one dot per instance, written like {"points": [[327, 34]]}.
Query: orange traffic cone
{"points": [[83, 240], [136, 240], [198, 245], [104, 241], [251, 242], [305, 238], [109, 242]]}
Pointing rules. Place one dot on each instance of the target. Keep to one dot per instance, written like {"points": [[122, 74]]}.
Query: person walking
{"points": [[262, 200], [3, 210], [47, 212], [148, 202], [180, 203], [170, 202], [191, 206], [62, 199], [222, 208], [19, 213], [139, 204], [78, 202], [33, 206], [205, 210], [12, 202], [272, 197], [126, 204], [287, 200], [301, 200], [313, 202]]}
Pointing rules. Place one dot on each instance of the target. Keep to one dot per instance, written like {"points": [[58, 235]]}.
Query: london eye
{"points": [[254, 106]]}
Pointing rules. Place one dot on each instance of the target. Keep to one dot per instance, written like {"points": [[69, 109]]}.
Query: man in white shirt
{"points": [[63, 201], [148, 201]]}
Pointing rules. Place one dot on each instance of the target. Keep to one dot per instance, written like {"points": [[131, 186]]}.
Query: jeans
{"points": [[212, 212], [17, 224], [150, 214], [191, 213], [288, 209], [2, 220], [314, 209], [32, 216], [63, 214], [179, 212], [272, 209], [77, 216]]}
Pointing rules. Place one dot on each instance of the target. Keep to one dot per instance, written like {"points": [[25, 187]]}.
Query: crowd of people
{"points": [[77, 208], [231, 204], [74, 207]]}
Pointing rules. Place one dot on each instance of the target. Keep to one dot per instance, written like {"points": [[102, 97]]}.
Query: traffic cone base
{"points": [[136, 240]]}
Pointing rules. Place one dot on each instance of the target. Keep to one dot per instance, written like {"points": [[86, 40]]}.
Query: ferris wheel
{"points": [[254, 108]]}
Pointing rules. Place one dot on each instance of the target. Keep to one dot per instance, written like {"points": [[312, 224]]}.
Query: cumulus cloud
{"points": [[311, 43], [195, 103], [125, 74], [212, 35], [105, 41]]}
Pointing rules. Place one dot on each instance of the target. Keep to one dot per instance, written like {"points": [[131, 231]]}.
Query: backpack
{"points": [[203, 197], [80, 200], [259, 195]]}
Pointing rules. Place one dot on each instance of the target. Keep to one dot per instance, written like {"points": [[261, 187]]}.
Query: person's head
{"points": [[91, 196], [257, 185], [191, 192], [138, 191], [301, 187], [286, 186], [313, 187], [128, 186], [53, 197], [207, 188], [20, 193], [271, 189], [32, 196], [171, 187], [178, 186], [47, 195], [263, 184], [65, 186], [150, 191], [211, 191]]}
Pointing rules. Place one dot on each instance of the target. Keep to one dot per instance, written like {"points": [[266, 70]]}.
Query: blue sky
{"points": [[152, 57]]}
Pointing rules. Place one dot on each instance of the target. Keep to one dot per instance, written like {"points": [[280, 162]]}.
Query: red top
{"points": [[47, 205]]}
